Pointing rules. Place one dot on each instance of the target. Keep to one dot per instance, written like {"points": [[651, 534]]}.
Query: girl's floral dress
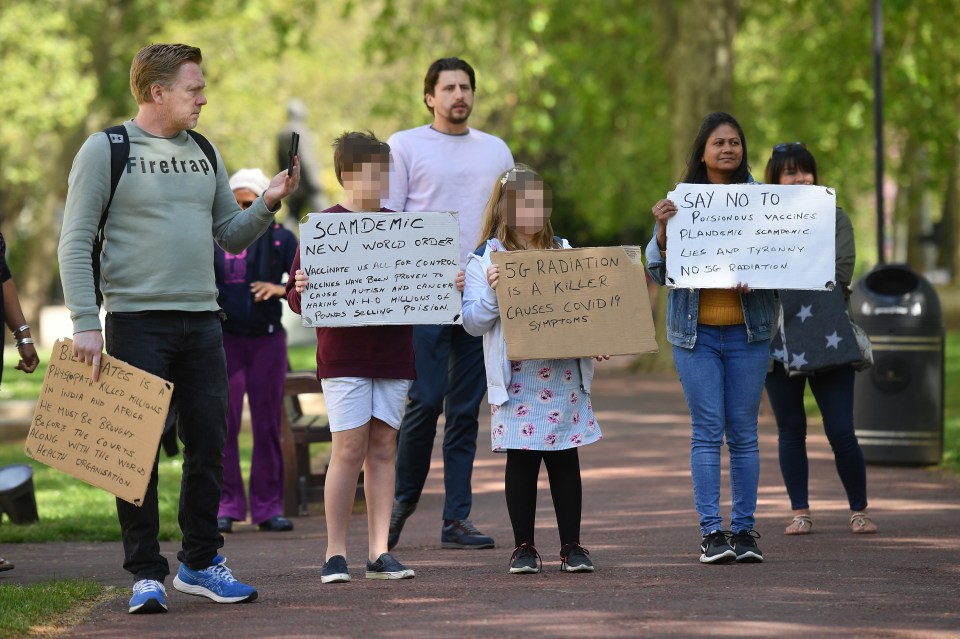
{"points": [[547, 408]]}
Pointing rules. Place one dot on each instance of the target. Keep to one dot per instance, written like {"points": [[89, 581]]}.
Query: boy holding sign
{"points": [[365, 372], [541, 409]]}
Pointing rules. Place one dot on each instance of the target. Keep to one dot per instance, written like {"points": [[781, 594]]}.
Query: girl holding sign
{"points": [[832, 386], [721, 344], [541, 409]]}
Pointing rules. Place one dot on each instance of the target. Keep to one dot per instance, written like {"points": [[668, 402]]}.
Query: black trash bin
{"points": [[898, 402]]}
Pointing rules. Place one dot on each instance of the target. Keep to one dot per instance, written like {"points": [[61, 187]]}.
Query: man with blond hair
{"points": [[160, 295]]}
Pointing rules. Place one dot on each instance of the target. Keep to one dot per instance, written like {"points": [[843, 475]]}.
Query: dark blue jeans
{"points": [[833, 390], [450, 379], [187, 350]]}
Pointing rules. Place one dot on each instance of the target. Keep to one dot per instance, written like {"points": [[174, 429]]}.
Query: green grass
{"points": [[57, 603], [72, 510]]}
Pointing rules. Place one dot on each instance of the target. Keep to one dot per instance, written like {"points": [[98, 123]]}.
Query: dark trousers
{"points": [[833, 390], [520, 486], [187, 350], [450, 379]]}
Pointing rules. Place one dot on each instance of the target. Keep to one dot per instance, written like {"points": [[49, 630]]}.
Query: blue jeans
{"points": [[722, 378], [187, 350], [833, 390], [450, 379]]}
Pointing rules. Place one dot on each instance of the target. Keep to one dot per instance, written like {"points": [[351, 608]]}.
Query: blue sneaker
{"points": [[149, 596], [215, 582], [461, 533]]}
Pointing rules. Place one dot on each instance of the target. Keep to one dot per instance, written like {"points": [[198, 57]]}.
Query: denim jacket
{"points": [[683, 306]]}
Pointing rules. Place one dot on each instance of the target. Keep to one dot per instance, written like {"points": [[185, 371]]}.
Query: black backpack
{"points": [[119, 152]]}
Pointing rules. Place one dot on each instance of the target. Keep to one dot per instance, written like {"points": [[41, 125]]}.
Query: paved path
{"points": [[639, 524]]}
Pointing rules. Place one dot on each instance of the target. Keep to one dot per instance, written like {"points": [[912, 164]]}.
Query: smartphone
{"points": [[294, 149]]}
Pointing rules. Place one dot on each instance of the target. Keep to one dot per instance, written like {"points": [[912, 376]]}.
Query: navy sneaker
{"points": [[573, 558], [461, 533], [215, 582], [225, 524], [398, 517], [277, 523], [149, 596], [525, 560], [745, 547], [715, 549], [387, 567], [335, 571]]}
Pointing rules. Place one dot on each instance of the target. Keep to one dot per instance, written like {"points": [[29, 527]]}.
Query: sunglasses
{"points": [[784, 146]]}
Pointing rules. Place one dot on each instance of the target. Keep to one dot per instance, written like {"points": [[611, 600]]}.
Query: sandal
{"points": [[801, 525], [861, 524], [5, 565]]}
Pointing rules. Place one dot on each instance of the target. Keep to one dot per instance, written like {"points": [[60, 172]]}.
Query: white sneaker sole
{"points": [[200, 591], [399, 574], [723, 558], [338, 578], [580, 568]]}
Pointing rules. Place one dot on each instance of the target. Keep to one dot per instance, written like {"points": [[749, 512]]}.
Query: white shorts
{"points": [[353, 401]]}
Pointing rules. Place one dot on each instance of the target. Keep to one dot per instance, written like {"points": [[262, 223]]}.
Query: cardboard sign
{"points": [[765, 236], [574, 303], [106, 433], [380, 268]]}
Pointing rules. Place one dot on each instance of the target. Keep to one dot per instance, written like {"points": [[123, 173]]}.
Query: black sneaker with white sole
{"points": [[573, 558], [525, 560], [745, 547], [715, 549]]}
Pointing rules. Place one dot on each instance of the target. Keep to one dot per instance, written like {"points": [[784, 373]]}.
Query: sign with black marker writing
{"points": [[380, 268], [765, 236], [107, 432], [574, 303]]}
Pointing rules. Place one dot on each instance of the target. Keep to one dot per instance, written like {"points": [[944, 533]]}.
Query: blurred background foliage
{"points": [[603, 98]]}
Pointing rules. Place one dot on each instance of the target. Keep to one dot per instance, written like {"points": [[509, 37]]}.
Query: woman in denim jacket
{"points": [[721, 344]]}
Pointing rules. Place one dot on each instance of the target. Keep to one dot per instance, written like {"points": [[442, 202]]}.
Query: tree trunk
{"points": [[948, 238], [698, 46]]}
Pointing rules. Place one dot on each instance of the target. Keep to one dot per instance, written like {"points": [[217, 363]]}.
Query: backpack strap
{"points": [[206, 147], [119, 152]]}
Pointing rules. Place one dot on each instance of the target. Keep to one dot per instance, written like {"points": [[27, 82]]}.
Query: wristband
{"points": [[25, 340], [22, 329]]}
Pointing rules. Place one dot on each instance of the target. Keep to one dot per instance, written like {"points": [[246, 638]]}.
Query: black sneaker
{"points": [[387, 567], [398, 516], [461, 533], [334, 570], [715, 549], [525, 559], [225, 524], [745, 547], [573, 558]]}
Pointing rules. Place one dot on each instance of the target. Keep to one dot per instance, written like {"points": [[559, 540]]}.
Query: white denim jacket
{"points": [[481, 316]]}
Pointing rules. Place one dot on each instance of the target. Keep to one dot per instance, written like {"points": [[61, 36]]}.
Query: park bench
{"points": [[298, 430]]}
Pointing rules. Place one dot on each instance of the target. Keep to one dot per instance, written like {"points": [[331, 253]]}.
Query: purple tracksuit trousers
{"points": [[257, 366]]}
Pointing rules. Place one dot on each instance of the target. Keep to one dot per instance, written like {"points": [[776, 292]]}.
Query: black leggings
{"points": [[520, 483]]}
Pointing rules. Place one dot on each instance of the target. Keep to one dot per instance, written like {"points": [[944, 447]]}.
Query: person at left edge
{"points": [[13, 317], [255, 343], [160, 296]]}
